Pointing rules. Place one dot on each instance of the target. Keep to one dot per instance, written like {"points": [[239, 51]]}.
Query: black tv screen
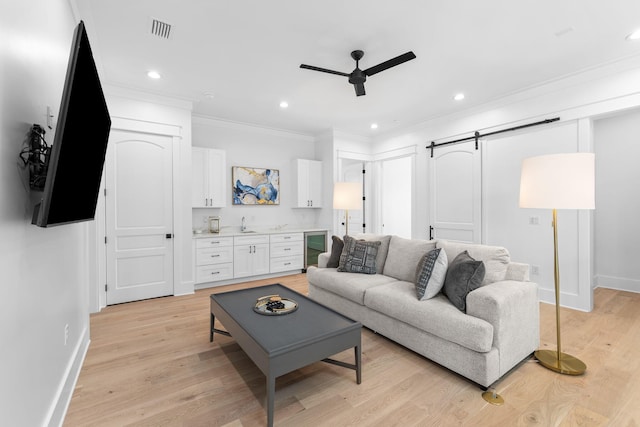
{"points": [[80, 143]]}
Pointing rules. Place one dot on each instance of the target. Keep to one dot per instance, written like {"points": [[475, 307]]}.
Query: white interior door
{"points": [[139, 216], [352, 172], [396, 193], [455, 193]]}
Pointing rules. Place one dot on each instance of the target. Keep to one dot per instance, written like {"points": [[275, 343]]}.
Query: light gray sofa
{"points": [[499, 329]]}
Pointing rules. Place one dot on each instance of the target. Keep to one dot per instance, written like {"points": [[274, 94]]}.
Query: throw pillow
{"points": [[336, 251], [430, 274], [463, 276], [358, 256]]}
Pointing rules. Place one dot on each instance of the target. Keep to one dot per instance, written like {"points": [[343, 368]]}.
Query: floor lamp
{"points": [[347, 195], [558, 181]]}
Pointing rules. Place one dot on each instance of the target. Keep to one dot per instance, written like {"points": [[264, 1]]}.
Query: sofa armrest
{"points": [[512, 308], [517, 271], [323, 259]]}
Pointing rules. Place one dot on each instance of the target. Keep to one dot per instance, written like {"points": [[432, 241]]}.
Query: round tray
{"points": [[261, 306]]}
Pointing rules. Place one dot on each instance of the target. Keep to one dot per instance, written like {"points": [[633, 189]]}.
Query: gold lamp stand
{"points": [[557, 360]]}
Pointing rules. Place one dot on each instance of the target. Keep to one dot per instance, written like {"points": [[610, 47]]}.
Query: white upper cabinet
{"points": [[209, 183], [308, 183]]}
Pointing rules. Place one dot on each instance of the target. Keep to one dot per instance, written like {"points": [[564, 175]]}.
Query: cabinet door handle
{"points": [[286, 237], [287, 249], [214, 242], [287, 263], [215, 256], [215, 272]]}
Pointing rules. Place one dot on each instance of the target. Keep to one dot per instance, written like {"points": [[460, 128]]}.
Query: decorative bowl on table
{"points": [[274, 305]]}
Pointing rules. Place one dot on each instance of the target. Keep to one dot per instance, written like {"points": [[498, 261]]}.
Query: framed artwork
{"points": [[255, 186]]}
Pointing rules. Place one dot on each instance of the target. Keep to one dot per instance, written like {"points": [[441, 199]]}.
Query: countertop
{"points": [[256, 231]]}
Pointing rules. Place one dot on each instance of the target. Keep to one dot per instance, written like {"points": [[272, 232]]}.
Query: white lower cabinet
{"points": [[250, 255], [232, 257], [287, 252], [214, 259]]}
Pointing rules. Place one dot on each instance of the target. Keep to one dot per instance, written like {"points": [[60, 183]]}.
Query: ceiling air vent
{"points": [[160, 29]]}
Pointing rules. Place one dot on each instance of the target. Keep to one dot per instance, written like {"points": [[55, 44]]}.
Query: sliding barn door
{"points": [[455, 193]]}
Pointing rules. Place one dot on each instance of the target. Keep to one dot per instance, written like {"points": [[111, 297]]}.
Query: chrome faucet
{"points": [[243, 227]]}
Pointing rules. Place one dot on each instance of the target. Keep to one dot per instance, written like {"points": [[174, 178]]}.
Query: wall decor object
{"points": [[255, 186]]}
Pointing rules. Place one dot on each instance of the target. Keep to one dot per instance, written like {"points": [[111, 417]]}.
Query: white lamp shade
{"points": [[347, 195], [558, 181]]}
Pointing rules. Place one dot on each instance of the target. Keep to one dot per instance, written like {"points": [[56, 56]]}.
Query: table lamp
{"points": [[347, 195], [558, 181]]}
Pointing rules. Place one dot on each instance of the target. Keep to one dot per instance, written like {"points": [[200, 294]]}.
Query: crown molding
{"points": [[229, 124]]}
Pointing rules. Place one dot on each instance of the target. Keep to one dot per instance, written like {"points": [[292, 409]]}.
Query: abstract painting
{"points": [[255, 186]]}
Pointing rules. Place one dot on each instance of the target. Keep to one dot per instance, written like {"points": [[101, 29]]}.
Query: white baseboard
{"points": [[245, 279], [60, 406], [567, 300], [617, 283]]}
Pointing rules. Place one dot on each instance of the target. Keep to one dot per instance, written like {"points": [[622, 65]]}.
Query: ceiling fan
{"points": [[358, 76]]}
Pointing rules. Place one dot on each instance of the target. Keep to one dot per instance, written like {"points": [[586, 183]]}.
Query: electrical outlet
{"points": [[534, 220], [535, 270], [66, 333]]}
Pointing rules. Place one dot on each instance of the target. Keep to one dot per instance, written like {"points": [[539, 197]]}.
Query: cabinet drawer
{"points": [[289, 237], [286, 249], [214, 242], [251, 239], [286, 263], [212, 273], [207, 256]]}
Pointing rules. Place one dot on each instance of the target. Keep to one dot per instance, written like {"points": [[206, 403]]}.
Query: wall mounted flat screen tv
{"points": [[80, 143]]}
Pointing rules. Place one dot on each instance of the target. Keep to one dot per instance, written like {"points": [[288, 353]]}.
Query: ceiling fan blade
{"points": [[390, 63], [324, 70], [359, 89]]}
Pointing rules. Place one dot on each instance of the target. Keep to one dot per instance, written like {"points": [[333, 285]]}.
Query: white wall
{"points": [[44, 271], [617, 148], [607, 90], [254, 146], [508, 225]]}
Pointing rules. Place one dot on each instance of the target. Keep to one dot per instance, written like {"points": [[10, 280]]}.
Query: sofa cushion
{"points": [[382, 250], [496, 258], [430, 274], [358, 256], [351, 286], [436, 316], [463, 276], [336, 251], [404, 256]]}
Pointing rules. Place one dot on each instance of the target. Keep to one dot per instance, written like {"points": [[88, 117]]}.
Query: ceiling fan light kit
{"points": [[357, 77]]}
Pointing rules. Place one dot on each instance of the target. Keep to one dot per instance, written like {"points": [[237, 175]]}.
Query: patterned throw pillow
{"points": [[463, 276], [358, 256], [430, 274], [336, 250]]}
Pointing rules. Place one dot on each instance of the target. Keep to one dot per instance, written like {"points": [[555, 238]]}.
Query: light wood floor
{"points": [[150, 363]]}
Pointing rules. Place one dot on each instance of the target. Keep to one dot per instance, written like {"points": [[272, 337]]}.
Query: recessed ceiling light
{"points": [[459, 97], [153, 74], [374, 126], [634, 36], [284, 104]]}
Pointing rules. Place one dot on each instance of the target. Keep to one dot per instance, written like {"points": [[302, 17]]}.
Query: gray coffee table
{"points": [[280, 344]]}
